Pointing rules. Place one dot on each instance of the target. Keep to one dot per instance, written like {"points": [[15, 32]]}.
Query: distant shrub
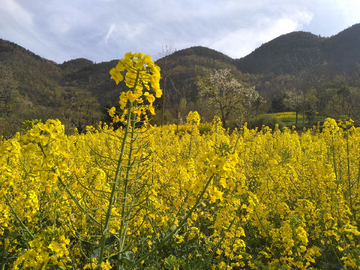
{"points": [[283, 115], [265, 120], [204, 128]]}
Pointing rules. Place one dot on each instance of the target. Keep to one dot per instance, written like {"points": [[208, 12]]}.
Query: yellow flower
{"points": [[91, 265], [152, 110], [116, 119], [193, 118], [141, 72], [54, 246], [132, 97], [215, 194], [116, 72], [112, 111], [191, 201], [198, 186], [123, 99], [150, 98]]}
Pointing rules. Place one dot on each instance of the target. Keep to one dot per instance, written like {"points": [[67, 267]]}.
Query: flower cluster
{"points": [[193, 118], [140, 72]]}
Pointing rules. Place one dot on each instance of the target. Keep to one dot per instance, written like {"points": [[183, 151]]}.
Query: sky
{"points": [[104, 30]]}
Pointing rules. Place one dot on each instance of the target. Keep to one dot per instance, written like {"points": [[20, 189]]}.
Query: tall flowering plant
{"points": [[140, 73], [128, 192]]}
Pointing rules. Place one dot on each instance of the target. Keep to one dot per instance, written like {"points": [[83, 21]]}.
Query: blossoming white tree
{"points": [[228, 98]]}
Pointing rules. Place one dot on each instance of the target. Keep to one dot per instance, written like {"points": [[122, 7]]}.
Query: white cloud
{"points": [[15, 21], [110, 31], [131, 31], [19, 16], [243, 41], [350, 10], [102, 30]]}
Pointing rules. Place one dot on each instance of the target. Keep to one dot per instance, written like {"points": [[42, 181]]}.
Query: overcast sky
{"points": [[103, 30]]}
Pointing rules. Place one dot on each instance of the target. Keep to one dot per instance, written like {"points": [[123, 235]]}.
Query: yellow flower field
{"points": [[159, 198], [285, 115], [271, 198]]}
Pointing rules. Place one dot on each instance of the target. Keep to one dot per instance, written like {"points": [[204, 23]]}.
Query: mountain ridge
{"points": [[50, 90], [270, 57], [341, 51]]}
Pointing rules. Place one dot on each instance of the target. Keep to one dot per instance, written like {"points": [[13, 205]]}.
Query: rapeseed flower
{"points": [[141, 72]]}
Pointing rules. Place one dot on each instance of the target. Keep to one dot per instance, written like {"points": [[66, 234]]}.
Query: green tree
{"points": [[226, 97], [301, 101], [303, 95], [166, 63], [10, 110], [343, 100], [8, 90], [80, 109]]}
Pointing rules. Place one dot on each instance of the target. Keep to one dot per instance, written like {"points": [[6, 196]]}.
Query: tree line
{"points": [[79, 92]]}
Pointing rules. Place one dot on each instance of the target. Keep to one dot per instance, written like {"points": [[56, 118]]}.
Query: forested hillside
{"points": [[341, 52], [321, 71], [277, 55], [42, 91]]}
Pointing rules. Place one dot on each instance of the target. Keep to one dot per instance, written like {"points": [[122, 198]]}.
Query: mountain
{"points": [[81, 89], [95, 79], [42, 80], [201, 55], [42, 91], [343, 49], [274, 56], [291, 51], [182, 67], [38, 77], [75, 65]]}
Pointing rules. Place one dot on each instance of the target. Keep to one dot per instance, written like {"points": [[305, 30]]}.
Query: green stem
{"points": [[348, 169], [219, 243], [113, 192], [115, 184], [334, 161], [3, 260], [124, 223], [191, 137], [181, 224], [18, 218], [335, 254], [76, 201]]}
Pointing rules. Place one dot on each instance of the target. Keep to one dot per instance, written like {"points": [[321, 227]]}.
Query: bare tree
{"points": [[303, 95], [166, 63]]}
